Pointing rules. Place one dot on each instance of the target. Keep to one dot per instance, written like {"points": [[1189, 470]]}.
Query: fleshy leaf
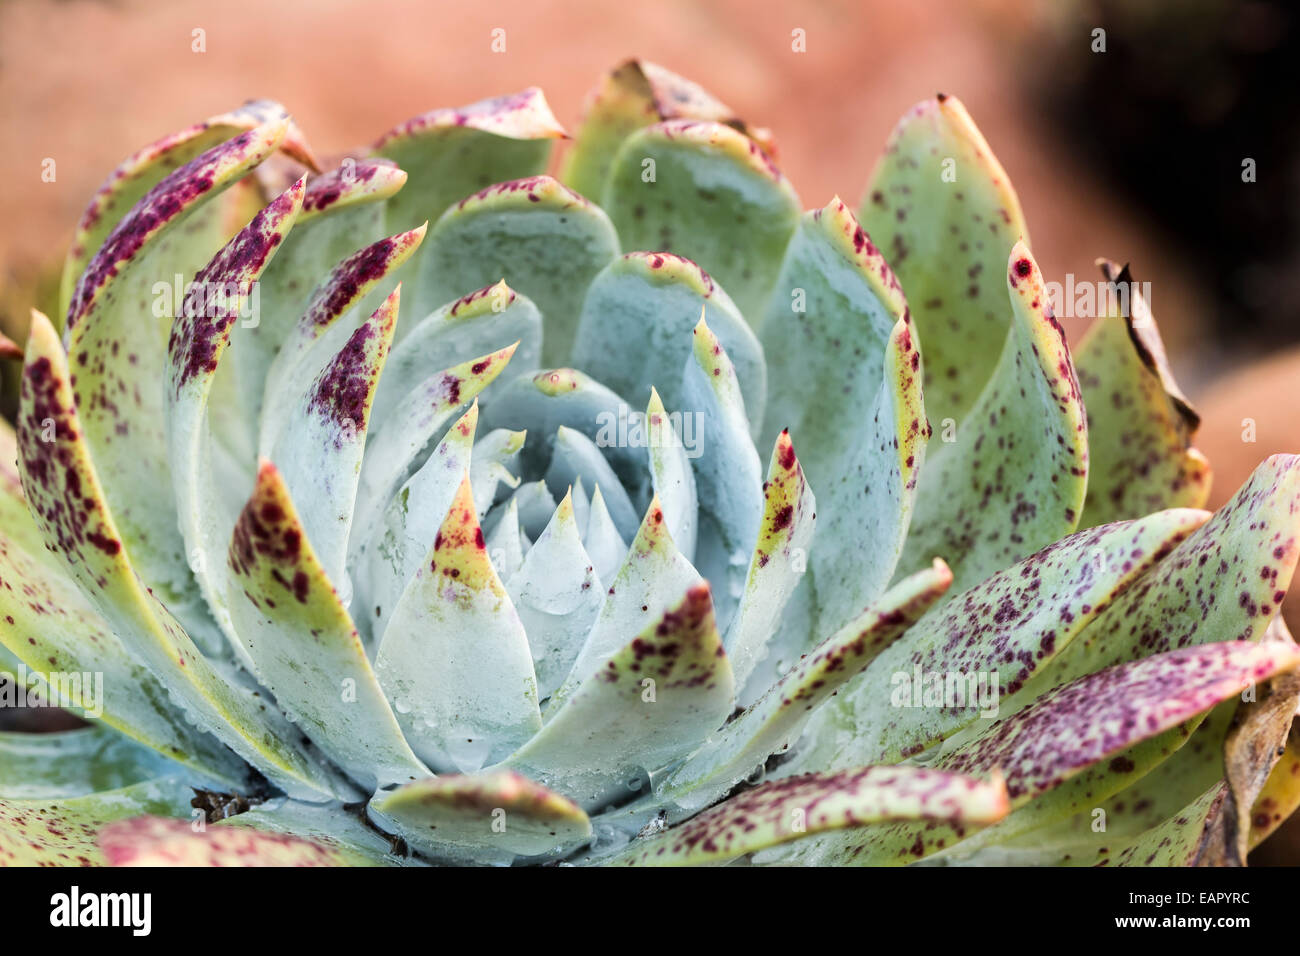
{"points": [[671, 476], [728, 473], [1074, 730], [494, 816], [454, 659], [576, 458], [480, 323], [799, 807], [708, 192], [303, 645], [779, 562], [650, 581], [1140, 425], [118, 328], [73, 763], [632, 96], [321, 457], [650, 702], [632, 334], [63, 832], [548, 241], [775, 720], [1013, 477], [150, 841], [143, 169], [1224, 582], [67, 499], [1182, 840], [1008, 628], [558, 594], [942, 209], [837, 314], [51, 628]]}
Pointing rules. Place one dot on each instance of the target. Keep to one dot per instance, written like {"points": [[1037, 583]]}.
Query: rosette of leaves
{"points": [[430, 509]]}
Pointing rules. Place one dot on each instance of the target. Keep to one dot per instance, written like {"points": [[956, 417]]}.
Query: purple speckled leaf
{"points": [[151, 841], [143, 169], [494, 816], [1009, 476], [1094, 724], [1140, 425], [799, 807], [65, 496], [943, 211]]}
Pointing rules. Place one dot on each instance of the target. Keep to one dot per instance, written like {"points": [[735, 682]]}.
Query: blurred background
{"points": [[1129, 143]]}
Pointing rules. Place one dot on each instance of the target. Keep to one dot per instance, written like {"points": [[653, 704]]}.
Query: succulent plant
{"points": [[416, 511]]}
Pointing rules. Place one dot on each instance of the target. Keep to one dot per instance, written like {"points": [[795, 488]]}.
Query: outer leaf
{"points": [[942, 209], [72, 763], [63, 832], [149, 841], [15, 519], [707, 192], [771, 724], [303, 644], [1225, 582], [630, 97], [120, 356], [48, 624], [142, 170], [652, 701], [1014, 479], [796, 807], [454, 659], [1003, 631], [66, 497], [1076, 728], [548, 241], [494, 816], [1182, 840], [632, 334], [1140, 425]]}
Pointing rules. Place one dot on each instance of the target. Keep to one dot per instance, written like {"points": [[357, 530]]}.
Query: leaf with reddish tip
{"points": [[65, 495], [1009, 628], [199, 337], [494, 816], [15, 519], [484, 321], [63, 832], [779, 561], [633, 331], [9, 349], [775, 720], [119, 324], [650, 581], [1140, 425], [321, 456], [1013, 479], [302, 643], [558, 594], [454, 659], [837, 314], [632, 96], [728, 473], [941, 208], [648, 704], [708, 192], [142, 170], [1224, 582], [150, 841], [1118, 715], [405, 432], [49, 625], [799, 807], [547, 241], [399, 541]]}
